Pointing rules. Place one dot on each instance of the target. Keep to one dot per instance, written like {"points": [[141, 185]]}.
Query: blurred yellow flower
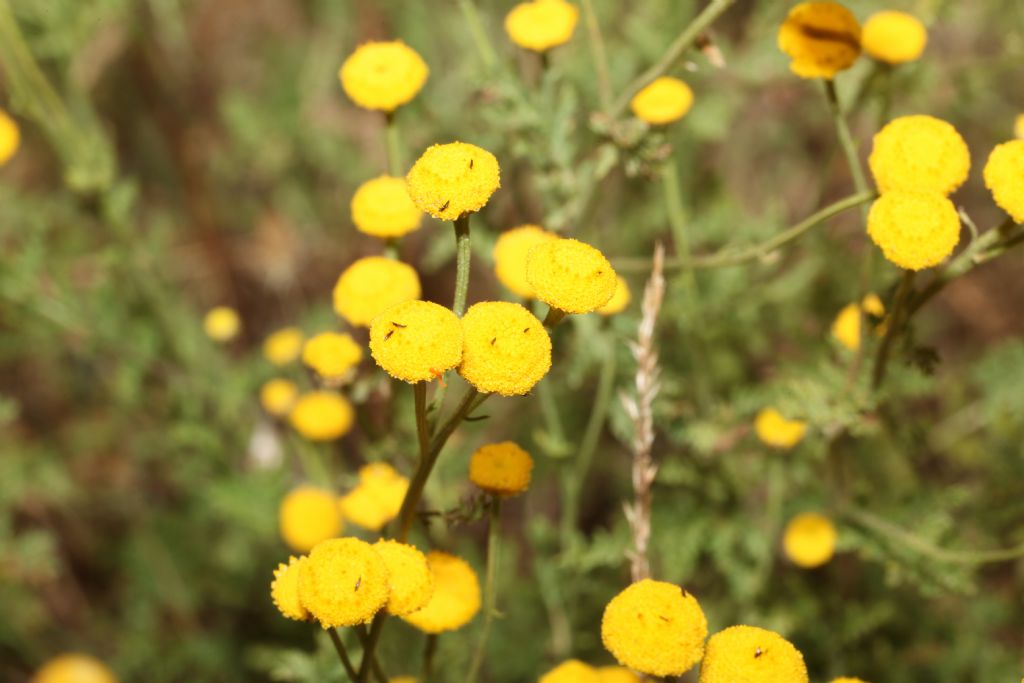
{"points": [[775, 430], [617, 674], [1004, 177], [322, 416], [846, 326], [377, 499], [222, 324], [456, 598], [809, 540], [277, 396], [383, 75], [919, 153], [849, 679], [571, 276], [752, 655], [914, 230], [501, 468], [620, 299], [283, 346], [284, 590], [510, 252], [506, 349], [306, 516], [450, 180], [540, 25], [382, 207], [409, 577], [343, 582], [74, 668], [372, 285], [821, 39], [332, 355], [10, 137], [664, 101], [571, 671], [894, 37], [416, 341]]}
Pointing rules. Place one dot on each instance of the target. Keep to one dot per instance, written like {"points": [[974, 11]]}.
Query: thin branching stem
{"points": [[897, 319], [598, 55], [490, 586], [343, 655]]}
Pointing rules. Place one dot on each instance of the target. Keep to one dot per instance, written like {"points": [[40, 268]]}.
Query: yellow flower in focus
{"points": [[571, 276], [846, 326], [774, 430], [74, 668], [383, 75], [382, 207], [222, 324], [571, 671], [283, 346], [10, 137], [541, 24], [751, 655], [308, 515], [809, 540], [821, 39], [377, 499], [655, 628], [278, 396], [416, 341], [1004, 177], [1018, 132], [456, 598], [372, 285], [506, 350], [894, 37], [616, 674], [510, 252], [322, 416], [409, 577], [919, 153], [284, 590], [664, 101], [501, 468], [343, 582], [450, 180], [620, 299], [332, 355], [914, 230]]}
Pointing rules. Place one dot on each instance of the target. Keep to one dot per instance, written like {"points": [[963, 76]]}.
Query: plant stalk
{"points": [[490, 586]]}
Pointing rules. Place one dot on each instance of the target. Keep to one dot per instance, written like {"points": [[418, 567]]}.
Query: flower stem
{"points": [[897, 318], [429, 650], [476, 31], [598, 54], [393, 145], [364, 638], [343, 655], [553, 317], [490, 586], [462, 259]]}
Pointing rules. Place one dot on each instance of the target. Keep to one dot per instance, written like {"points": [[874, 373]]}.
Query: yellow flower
{"points": [[10, 137], [278, 396], [570, 275], [919, 153], [409, 577], [541, 24], [222, 324], [74, 668], [616, 674], [894, 37], [846, 326], [752, 655], [416, 341], [571, 671], [322, 416], [284, 590], [776, 431], [1018, 131], [655, 628], [372, 285], [809, 540], [332, 355], [308, 515], [501, 468], [383, 75], [382, 207], [620, 299], [664, 101], [914, 230], [847, 679], [506, 349], [283, 346], [1004, 177], [377, 499], [456, 598], [510, 252], [453, 179], [343, 582], [821, 39]]}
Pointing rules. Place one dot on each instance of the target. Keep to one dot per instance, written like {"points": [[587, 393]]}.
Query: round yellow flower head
{"points": [[1004, 177], [919, 153], [571, 671], [284, 590], [377, 499], [308, 515], [222, 324], [1018, 132], [382, 207], [914, 230], [383, 75], [278, 396], [450, 180], [501, 468], [322, 416], [809, 540], [372, 285], [620, 299], [776, 431], [655, 628], [332, 355], [570, 275], [10, 137], [410, 579], [343, 582], [506, 349], [510, 252], [664, 101], [894, 37], [821, 39], [616, 674], [283, 346], [416, 341], [847, 679], [456, 598], [752, 655], [846, 326], [74, 668], [541, 24]]}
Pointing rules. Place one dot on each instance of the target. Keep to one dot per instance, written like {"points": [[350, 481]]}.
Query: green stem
{"points": [[598, 54], [553, 317], [479, 35], [846, 140], [490, 586], [364, 638], [343, 655], [370, 646], [419, 391], [429, 650], [393, 145], [897, 318], [462, 259]]}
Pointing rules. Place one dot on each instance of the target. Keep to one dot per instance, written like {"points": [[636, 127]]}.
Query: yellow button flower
{"points": [[655, 628], [322, 416], [332, 355], [571, 671], [222, 324], [382, 207], [776, 431], [664, 101], [277, 396], [284, 590], [894, 37], [914, 230], [453, 179], [308, 515], [456, 598], [809, 540], [919, 153], [541, 24], [416, 341], [377, 499], [372, 285], [752, 655], [74, 668], [821, 39], [1004, 177], [409, 577], [620, 299], [571, 276], [510, 252], [846, 326], [10, 137], [506, 350], [343, 582], [616, 674], [501, 468], [383, 75], [283, 346]]}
